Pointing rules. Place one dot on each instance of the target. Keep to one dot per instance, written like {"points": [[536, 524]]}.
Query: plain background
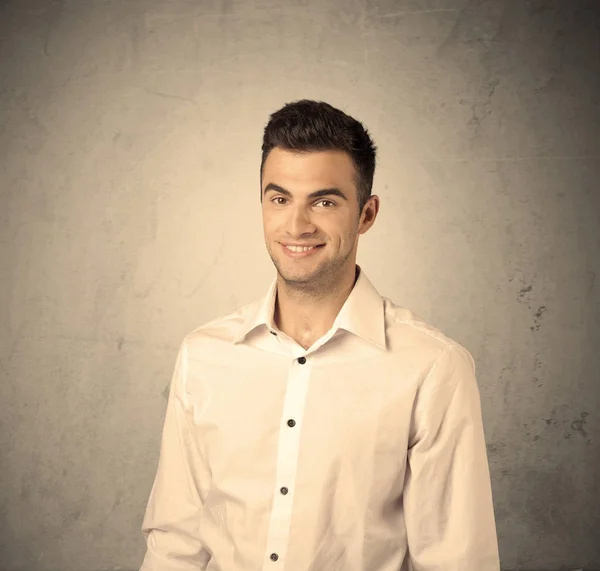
{"points": [[130, 135]]}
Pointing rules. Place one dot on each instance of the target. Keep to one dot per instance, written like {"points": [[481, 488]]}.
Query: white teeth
{"points": [[299, 248]]}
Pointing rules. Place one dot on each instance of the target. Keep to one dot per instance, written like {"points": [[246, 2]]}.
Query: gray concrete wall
{"points": [[129, 214]]}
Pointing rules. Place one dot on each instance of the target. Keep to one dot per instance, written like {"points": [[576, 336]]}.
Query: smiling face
{"points": [[311, 198]]}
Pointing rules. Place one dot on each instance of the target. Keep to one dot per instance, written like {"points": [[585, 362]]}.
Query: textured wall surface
{"points": [[130, 136]]}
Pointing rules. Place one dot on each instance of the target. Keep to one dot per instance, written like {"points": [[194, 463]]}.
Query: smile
{"points": [[299, 252]]}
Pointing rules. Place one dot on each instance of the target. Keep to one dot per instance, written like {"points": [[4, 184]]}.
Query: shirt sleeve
{"points": [[448, 506], [172, 519]]}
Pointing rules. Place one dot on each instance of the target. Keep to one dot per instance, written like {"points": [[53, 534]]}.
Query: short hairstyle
{"points": [[309, 126]]}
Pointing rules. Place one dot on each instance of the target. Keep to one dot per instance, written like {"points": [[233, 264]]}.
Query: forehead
{"points": [[308, 169]]}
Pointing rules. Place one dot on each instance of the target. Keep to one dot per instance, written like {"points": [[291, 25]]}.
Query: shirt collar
{"points": [[362, 313]]}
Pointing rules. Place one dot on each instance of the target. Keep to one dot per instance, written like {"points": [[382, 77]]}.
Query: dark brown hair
{"points": [[308, 126]]}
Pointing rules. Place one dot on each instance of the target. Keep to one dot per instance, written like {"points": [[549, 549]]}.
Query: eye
{"points": [[320, 201], [332, 203]]}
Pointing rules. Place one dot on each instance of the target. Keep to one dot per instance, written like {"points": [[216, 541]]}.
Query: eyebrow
{"points": [[317, 194]]}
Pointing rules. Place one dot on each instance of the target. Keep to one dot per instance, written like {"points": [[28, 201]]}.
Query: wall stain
{"points": [[25, 492], [552, 419], [118, 499], [495, 448], [522, 296], [481, 107], [537, 382], [545, 497], [52, 17], [523, 291], [506, 382], [170, 96], [537, 315], [545, 81], [207, 271], [144, 293], [577, 426], [528, 433]]}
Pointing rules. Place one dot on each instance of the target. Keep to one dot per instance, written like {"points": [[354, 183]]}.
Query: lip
{"points": [[300, 254]]}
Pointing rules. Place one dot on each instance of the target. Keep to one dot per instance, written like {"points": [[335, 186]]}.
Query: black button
{"points": [[273, 333], [284, 490], [291, 422], [274, 557], [302, 360]]}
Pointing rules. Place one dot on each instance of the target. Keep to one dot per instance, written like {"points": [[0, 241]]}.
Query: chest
{"points": [[244, 414]]}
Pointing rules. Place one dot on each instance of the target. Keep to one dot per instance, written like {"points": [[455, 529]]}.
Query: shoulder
{"points": [[406, 328], [216, 333]]}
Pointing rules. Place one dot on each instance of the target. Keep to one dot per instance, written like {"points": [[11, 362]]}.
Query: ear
{"points": [[369, 213]]}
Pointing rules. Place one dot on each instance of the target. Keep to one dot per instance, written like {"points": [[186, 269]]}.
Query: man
{"points": [[321, 428]]}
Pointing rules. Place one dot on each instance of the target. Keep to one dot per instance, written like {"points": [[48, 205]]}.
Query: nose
{"points": [[299, 221]]}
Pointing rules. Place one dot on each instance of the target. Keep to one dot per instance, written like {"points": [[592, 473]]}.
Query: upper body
{"points": [[385, 454], [322, 427]]}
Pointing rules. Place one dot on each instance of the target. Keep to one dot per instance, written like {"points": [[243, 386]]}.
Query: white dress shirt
{"points": [[365, 452]]}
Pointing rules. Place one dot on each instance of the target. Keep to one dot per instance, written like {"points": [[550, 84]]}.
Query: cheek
{"points": [[267, 227]]}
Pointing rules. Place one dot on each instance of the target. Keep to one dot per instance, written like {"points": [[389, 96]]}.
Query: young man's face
{"points": [[329, 220]]}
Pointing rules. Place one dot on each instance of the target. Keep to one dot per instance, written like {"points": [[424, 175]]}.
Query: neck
{"points": [[306, 314]]}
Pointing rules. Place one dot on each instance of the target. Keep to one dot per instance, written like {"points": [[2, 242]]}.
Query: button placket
{"points": [[293, 409]]}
